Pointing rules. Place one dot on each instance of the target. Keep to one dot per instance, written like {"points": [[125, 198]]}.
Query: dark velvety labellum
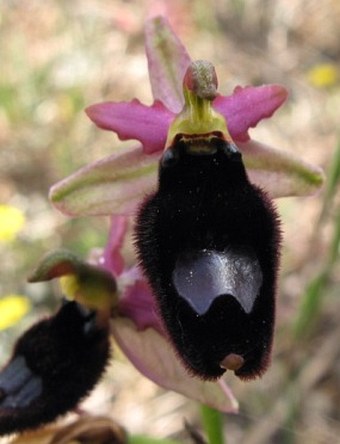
{"points": [[208, 241], [55, 364]]}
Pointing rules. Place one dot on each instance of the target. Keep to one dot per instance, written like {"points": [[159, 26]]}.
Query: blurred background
{"points": [[57, 57]]}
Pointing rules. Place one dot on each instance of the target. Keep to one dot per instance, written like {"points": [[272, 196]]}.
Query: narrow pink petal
{"points": [[247, 106], [154, 357], [114, 185], [138, 304], [280, 173], [133, 120], [112, 259], [167, 61]]}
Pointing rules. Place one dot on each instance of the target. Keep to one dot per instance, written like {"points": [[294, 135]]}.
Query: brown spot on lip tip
{"points": [[232, 362]]}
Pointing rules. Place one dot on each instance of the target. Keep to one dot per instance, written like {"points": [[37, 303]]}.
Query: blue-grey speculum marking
{"points": [[19, 386], [202, 276]]}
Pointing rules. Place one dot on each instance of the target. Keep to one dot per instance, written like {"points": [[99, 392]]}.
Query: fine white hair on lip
{"points": [[202, 276]]}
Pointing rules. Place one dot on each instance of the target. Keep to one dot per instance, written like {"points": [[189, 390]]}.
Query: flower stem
{"points": [[213, 425], [141, 439]]}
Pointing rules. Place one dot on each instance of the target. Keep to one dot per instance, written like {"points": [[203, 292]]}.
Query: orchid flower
{"points": [[139, 331], [111, 289], [109, 296], [116, 184]]}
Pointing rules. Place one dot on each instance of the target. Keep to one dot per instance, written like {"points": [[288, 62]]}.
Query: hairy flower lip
{"points": [[139, 331]]}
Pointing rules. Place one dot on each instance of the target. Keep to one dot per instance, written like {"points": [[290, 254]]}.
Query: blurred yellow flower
{"points": [[12, 309], [11, 222], [323, 75]]}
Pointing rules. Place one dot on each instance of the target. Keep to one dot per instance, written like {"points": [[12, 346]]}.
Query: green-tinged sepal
{"points": [[90, 286], [198, 116]]}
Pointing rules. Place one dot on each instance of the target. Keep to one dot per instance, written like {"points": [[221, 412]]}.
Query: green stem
{"points": [[141, 439], [312, 299], [213, 425]]}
